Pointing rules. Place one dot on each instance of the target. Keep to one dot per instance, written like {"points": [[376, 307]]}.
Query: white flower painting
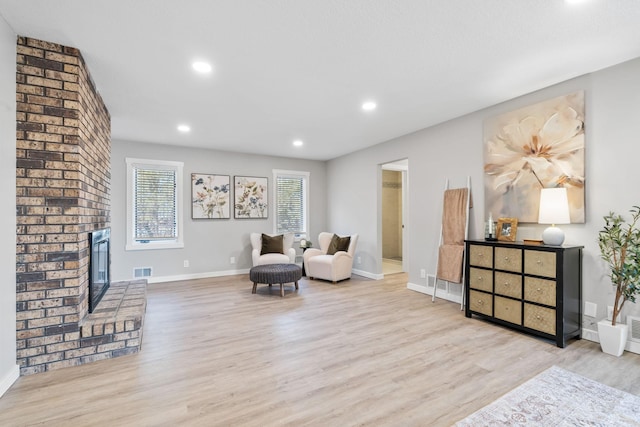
{"points": [[541, 146]]}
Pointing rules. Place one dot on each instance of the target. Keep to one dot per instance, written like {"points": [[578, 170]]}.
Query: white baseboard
{"points": [[591, 335], [428, 290], [159, 279], [367, 274], [9, 378]]}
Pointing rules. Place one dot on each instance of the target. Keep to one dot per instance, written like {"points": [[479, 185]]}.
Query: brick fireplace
{"points": [[63, 132]]}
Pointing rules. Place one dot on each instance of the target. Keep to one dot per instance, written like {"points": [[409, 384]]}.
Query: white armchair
{"points": [[288, 255], [334, 267]]}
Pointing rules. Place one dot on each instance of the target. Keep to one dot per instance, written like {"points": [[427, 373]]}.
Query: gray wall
{"points": [[8, 368], [454, 150], [208, 244]]}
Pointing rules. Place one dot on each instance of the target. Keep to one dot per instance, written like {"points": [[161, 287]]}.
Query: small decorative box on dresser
{"points": [[531, 288]]}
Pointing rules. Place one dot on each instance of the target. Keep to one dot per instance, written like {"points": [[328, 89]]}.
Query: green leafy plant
{"points": [[619, 243]]}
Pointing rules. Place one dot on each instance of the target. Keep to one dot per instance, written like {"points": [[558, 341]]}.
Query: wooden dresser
{"points": [[534, 289]]}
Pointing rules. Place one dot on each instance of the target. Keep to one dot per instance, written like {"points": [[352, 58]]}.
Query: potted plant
{"points": [[619, 243]]}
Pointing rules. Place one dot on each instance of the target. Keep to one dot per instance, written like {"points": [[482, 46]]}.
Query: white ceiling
{"points": [[300, 69]]}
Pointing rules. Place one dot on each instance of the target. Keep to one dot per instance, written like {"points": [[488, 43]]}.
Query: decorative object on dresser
{"points": [[619, 243], [533, 289], [554, 209], [507, 229]]}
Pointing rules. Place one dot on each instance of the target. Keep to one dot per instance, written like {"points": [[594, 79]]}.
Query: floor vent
{"points": [[140, 272], [634, 328]]}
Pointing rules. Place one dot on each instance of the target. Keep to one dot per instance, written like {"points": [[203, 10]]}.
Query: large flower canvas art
{"points": [[210, 196], [251, 197], [540, 146]]}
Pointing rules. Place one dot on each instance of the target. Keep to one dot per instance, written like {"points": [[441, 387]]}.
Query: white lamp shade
{"points": [[554, 206]]}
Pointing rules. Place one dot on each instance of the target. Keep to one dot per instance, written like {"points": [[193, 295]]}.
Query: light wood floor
{"points": [[360, 352]]}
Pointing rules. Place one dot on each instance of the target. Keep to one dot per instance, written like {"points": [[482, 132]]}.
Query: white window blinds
{"points": [[291, 197], [155, 204]]}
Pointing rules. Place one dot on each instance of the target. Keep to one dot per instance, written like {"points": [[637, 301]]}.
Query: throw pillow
{"points": [[338, 244], [271, 244]]}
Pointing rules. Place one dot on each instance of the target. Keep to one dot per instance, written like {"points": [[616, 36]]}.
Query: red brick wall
{"points": [[63, 192]]}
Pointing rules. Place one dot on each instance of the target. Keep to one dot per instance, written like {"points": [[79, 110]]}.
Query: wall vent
{"points": [[140, 272], [634, 328]]}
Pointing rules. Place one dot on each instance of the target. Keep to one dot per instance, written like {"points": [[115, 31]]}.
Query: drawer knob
{"points": [[480, 301], [479, 278], [539, 262], [506, 258], [538, 317], [506, 283], [539, 290], [480, 255]]}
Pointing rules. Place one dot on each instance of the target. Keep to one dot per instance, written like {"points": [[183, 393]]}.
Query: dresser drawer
{"points": [[540, 263], [481, 279], [509, 259], [540, 318], [481, 256], [481, 302], [508, 284], [541, 291], [508, 310]]}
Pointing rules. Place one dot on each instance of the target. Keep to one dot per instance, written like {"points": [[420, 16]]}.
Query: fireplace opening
{"points": [[99, 263]]}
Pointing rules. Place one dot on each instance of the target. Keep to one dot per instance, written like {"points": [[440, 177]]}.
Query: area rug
{"points": [[557, 397]]}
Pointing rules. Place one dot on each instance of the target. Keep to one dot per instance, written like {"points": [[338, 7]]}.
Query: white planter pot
{"points": [[612, 338]]}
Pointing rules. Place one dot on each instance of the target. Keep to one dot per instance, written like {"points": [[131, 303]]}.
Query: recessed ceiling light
{"points": [[298, 143], [202, 67], [184, 128], [369, 106]]}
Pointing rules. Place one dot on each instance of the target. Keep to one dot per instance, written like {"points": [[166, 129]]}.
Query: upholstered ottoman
{"points": [[275, 273]]}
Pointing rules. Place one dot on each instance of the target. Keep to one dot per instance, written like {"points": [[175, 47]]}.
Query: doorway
{"points": [[394, 179]]}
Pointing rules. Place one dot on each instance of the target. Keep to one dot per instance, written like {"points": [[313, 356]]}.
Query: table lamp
{"points": [[554, 209]]}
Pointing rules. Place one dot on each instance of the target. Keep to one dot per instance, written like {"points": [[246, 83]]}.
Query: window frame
{"points": [[305, 200], [132, 244]]}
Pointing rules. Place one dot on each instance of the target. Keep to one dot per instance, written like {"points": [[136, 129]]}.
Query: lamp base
{"points": [[553, 236]]}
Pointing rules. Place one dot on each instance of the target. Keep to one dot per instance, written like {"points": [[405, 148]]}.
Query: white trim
{"points": [[9, 379], [428, 290], [368, 275], [591, 335], [178, 243]]}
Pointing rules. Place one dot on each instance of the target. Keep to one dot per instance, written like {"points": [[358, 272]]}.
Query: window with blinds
{"points": [[154, 211], [291, 201], [155, 204]]}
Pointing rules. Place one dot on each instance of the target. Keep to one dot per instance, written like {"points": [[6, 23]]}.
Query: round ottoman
{"points": [[275, 273]]}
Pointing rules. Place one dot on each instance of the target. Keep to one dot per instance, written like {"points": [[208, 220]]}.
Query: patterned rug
{"points": [[557, 397]]}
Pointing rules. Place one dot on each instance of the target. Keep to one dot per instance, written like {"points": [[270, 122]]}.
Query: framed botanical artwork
{"points": [[507, 228], [531, 148], [210, 196], [251, 197]]}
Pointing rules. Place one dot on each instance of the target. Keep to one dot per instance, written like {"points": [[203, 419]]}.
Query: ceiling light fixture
{"points": [[298, 143], [184, 128], [202, 67], [369, 106]]}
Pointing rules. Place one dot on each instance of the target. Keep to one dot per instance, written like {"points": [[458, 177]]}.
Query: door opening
{"points": [[394, 177]]}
